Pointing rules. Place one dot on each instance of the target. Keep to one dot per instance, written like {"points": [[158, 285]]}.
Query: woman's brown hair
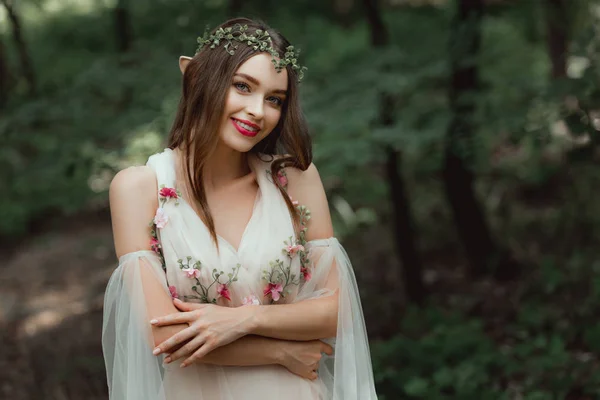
{"points": [[195, 130]]}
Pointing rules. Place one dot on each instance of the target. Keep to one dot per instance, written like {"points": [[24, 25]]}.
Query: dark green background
{"points": [[457, 140]]}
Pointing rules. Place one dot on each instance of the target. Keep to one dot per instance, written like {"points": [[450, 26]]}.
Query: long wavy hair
{"points": [[195, 130]]}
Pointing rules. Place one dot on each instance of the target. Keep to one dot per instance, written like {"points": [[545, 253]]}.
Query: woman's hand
{"points": [[210, 326], [302, 358]]}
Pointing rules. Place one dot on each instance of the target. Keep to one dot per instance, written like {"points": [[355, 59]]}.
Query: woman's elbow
{"points": [[162, 333]]}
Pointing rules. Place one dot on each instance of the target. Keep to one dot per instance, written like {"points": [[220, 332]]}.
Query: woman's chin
{"points": [[240, 144]]}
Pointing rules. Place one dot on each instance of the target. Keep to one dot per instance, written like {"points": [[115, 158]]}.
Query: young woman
{"points": [[230, 284]]}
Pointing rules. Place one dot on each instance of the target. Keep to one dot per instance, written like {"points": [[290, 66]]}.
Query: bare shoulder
{"points": [[133, 202], [298, 178], [133, 179], [307, 188]]}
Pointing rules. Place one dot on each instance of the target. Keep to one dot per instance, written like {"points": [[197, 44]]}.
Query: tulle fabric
{"points": [[134, 373]]}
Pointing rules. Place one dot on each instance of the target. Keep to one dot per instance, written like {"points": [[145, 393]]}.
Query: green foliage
{"points": [[446, 355], [98, 111], [438, 356]]}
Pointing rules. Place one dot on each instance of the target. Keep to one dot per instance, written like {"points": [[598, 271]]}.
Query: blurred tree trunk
{"points": [[25, 61], [124, 39], [557, 25], [482, 253], [123, 28], [234, 8], [343, 12], [343, 7], [405, 236], [4, 76]]}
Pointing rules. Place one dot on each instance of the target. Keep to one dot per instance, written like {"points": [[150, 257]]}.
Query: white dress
{"points": [[187, 269]]}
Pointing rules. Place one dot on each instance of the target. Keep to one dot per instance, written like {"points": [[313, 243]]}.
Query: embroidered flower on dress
{"points": [[161, 218], [173, 291], [279, 275], [155, 245], [191, 272], [250, 300], [203, 289], [292, 250], [223, 291], [274, 290], [306, 274], [168, 193], [282, 178]]}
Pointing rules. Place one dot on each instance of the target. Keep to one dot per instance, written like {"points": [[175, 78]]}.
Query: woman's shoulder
{"points": [[133, 187], [297, 176], [140, 178], [306, 187], [133, 202]]}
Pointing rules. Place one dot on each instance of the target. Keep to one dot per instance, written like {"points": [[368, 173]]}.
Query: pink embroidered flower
{"points": [[173, 291], [306, 273], [191, 272], [161, 218], [223, 291], [155, 245], [250, 300], [292, 250], [282, 178], [168, 193], [294, 202], [273, 289]]}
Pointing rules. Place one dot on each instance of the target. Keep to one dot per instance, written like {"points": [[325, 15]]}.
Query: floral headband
{"points": [[260, 41]]}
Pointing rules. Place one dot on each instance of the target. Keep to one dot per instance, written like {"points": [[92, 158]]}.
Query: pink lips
{"points": [[243, 131]]}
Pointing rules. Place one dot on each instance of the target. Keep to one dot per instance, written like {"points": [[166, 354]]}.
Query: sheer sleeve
{"points": [[331, 271], [133, 372]]}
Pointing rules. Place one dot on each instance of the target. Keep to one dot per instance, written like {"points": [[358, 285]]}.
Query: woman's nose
{"points": [[256, 107]]}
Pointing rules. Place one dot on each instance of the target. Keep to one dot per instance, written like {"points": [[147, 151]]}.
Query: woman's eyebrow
{"points": [[257, 83]]}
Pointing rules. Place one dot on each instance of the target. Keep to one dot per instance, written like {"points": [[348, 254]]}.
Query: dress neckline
{"points": [[257, 200]]}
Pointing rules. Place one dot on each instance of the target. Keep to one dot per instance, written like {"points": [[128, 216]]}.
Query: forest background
{"points": [[457, 140]]}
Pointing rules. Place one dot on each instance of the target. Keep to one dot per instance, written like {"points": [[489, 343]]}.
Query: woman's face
{"points": [[253, 104]]}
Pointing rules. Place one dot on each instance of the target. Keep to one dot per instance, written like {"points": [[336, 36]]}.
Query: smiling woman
{"points": [[239, 279], [257, 93]]}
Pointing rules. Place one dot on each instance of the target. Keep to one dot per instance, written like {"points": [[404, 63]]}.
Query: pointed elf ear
{"points": [[183, 62]]}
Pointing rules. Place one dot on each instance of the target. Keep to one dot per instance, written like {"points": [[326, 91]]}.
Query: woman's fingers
{"points": [[175, 340], [187, 349], [172, 319], [183, 306], [201, 352], [327, 349]]}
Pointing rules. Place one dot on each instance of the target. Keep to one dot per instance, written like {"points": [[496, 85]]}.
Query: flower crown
{"points": [[260, 41]]}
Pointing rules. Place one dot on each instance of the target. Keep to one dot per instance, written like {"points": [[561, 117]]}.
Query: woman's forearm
{"points": [[306, 320], [247, 351]]}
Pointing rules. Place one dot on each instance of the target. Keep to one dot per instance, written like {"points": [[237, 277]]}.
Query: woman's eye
{"points": [[275, 100], [242, 86]]}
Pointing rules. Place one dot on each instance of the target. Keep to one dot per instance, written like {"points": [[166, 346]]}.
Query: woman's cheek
{"points": [[274, 118]]}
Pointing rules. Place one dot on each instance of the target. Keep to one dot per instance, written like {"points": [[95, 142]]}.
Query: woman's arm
{"points": [[299, 357], [133, 203], [305, 320]]}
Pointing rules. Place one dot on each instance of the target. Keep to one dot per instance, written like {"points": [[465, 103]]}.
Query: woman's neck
{"points": [[224, 167]]}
